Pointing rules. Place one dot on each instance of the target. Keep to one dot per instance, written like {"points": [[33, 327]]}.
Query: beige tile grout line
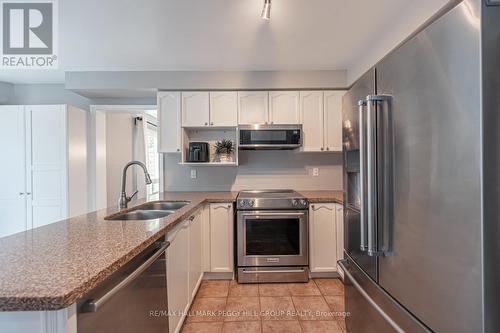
{"points": [[322, 295]]}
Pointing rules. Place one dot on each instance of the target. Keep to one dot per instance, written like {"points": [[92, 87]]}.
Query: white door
{"points": [[311, 113], [195, 247], [333, 120], [49, 164], [177, 275], [224, 108], [253, 107], [322, 237], [221, 237], [284, 107], [195, 109], [12, 171], [339, 221], [169, 122]]}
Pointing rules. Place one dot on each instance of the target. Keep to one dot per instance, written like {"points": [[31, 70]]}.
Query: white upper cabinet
{"points": [[311, 116], [253, 107], [284, 107], [333, 120], [169, 120], [224, 109], [195, 109]]}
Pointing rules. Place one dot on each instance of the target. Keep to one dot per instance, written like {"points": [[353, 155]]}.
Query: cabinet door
{"points": [[177, 275], [169, 120], [205, 222], [224, 109], [195, 109], [284, 107], [311, 113], [339, 221], [195, 244], [333, 120], [253, 107], [221, 237], [47, 188], [322, 237], [13, 173]]}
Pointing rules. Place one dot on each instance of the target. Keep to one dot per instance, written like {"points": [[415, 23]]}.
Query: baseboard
{"points": [[326, 275], [218, 276]]}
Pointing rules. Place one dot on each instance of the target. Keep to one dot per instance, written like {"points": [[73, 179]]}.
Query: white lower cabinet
{"points": [[221, 237], [339, 221], [325, 237], [195, 255], [178, 275]]}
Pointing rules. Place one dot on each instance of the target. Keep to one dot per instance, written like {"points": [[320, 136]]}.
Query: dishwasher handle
{"points": [[93, 305]]}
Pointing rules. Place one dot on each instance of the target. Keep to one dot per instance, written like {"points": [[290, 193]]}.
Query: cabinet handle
{"points": [[327, 148], [211, 124], [21, 193], [28, 193], [319, 207], [191, 218], [322, 148], [178, 149], [313, 206], [272, 122], [206, 124]]}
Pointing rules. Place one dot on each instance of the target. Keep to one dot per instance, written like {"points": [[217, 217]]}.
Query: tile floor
{"points": [[226, 306]]}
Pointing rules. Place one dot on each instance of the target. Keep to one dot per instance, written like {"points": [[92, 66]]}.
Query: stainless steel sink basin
{"points": [[150, 211], [165, 205]]}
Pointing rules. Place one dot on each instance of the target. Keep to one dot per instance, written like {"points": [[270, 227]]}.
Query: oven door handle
{"points": [[273, 214]]}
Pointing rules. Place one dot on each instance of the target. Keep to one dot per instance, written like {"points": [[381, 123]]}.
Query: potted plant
{"points": [[224, 150]]}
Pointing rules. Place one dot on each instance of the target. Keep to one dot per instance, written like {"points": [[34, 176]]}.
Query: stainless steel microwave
{"points": [[279, 137]]}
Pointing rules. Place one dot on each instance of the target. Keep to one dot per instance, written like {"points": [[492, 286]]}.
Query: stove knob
{"points": [[295, 203], [251, 203], [303, 202]]}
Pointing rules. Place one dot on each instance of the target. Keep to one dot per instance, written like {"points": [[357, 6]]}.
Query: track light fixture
{"points": [[266, 11]]}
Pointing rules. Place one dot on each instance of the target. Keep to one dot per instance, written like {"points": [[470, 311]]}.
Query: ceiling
{"points": [[116, 35]]}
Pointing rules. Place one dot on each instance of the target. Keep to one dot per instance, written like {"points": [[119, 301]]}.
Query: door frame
{"points": [[91, 144]]}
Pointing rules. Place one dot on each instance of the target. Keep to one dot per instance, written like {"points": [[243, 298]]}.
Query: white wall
{"points": [[119, 136], [259, 170], [6, 93], [77, 161], [48, 94]]}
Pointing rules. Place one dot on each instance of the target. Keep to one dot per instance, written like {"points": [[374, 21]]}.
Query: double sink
{"points": [[150, 211]]}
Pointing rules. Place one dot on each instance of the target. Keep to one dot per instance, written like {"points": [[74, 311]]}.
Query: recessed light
{"points": [[266, 11]]}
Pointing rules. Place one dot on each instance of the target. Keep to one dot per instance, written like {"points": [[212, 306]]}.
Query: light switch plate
{"points": [[315, 172], [193, 174]]}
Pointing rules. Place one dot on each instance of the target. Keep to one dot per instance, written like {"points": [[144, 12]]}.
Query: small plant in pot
{"points": [[224, 150]]}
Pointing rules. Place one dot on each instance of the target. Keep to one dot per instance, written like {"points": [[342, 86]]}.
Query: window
{"points": [[152, 158]]}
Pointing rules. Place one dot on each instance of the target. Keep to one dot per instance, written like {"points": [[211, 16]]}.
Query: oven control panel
{"points": [[258, 203]]}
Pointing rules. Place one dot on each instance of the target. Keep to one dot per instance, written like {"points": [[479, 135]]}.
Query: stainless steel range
{"points": [[272, 236]]}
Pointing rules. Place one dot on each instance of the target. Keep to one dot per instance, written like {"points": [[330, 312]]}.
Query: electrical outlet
{"points": [[193, 174], [315, 172]]}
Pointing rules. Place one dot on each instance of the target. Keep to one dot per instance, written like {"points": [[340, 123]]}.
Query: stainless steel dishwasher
{"points": [[133, 299]]}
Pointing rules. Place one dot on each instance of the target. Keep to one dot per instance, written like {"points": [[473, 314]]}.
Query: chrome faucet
{"points": [[124, 200]]}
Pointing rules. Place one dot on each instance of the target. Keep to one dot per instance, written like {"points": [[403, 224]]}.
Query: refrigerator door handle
{"points": [[379, 177], [362, 173]]}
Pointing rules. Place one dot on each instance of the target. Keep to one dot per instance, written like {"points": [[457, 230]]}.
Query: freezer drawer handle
{"points": [[94, 305], [368, 298]]}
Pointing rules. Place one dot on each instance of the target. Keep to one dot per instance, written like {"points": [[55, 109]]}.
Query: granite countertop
{"points": [[50, 267]]}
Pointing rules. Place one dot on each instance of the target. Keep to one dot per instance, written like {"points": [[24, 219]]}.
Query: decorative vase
{"points": [[225, 157]]}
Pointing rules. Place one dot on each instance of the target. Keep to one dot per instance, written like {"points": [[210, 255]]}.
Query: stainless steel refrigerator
{"points": [[421, 134]]}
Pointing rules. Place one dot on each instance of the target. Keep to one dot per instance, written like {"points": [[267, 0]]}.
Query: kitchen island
{"points": [[51, 267]]}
